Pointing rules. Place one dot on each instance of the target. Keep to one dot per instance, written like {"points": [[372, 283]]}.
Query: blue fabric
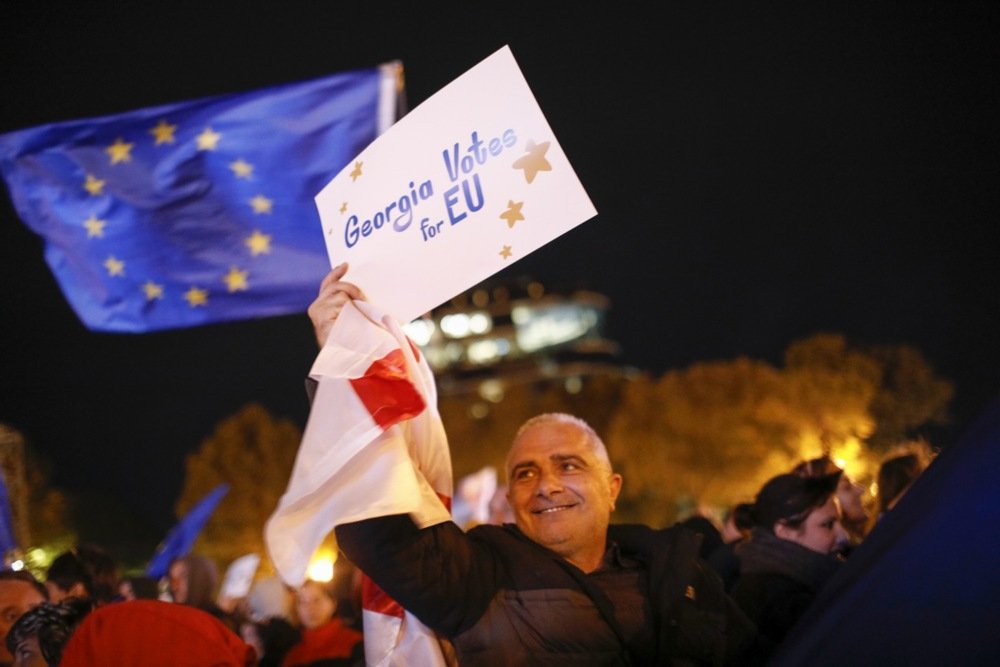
{"points": [[176, 210], [181, 537], [924, 587], [8, 541]]}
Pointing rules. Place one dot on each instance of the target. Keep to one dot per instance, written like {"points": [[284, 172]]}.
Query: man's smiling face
{"points": [[562, 490]]}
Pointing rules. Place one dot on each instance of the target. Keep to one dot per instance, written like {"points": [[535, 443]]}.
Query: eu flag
{"points": [[195, 212], [181, 537]]}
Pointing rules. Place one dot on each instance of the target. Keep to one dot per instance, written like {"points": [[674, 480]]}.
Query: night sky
{"points": [[761, 171]]}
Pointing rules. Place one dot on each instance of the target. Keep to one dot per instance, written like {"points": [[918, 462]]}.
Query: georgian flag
{"points": [[374, 445]]}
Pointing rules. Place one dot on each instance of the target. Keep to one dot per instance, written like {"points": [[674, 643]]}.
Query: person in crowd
{"points": [[19, 592], [791, 552], [271, 638], [736, 525], [154, 633], [560, 584], [86, 571], [138, 587], [855, 516], [898, 470], [193, 580], [325, 638], [39, 636], [711, 538]]}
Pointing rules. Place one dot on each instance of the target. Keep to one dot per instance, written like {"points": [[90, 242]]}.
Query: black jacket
{"points": [[505, 600]]}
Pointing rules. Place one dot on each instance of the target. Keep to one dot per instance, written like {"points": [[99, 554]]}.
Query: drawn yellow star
{"points": [[95, 227], [534, 160], [357, 170], [163, 132], [261, 204], [343, 207], [115, 266], [120, 151], [152, 290], [93, 185], [208, 140], [259, 244], [196, 297], [513, 212], [242, 168], [506, 253], [236, 280]]}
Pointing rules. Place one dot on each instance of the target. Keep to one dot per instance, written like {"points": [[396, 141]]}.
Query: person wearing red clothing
{"points": [[326, 640]]}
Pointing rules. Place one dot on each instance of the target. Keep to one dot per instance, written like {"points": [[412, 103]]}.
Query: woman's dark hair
{"points": [[820, 466], [790, 498], [51, 624]]}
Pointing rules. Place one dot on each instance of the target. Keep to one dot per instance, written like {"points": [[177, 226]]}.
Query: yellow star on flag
{"points": [[506, 253], [152, 290], [242, 168], [93, 185], [261, 204], [357, 171], [163, 132], [343, 207], [115, 266], [259, 243], [95, 227], [236, 280], [513, 212], [534, 160], [208, 140], [196, 297], [120, 151]]}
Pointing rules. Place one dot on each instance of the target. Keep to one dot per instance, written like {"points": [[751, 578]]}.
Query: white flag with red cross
{"points": [[374, 445]]}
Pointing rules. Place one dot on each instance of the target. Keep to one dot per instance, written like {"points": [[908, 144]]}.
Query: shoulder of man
{"points": [[697, 619]]}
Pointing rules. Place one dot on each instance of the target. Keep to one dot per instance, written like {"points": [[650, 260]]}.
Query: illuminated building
{"points": [[516, 332]]}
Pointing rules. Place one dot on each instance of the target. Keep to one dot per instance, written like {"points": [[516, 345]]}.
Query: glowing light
{"points": [[17, 565], [491, 390], [420, 331], [320, 568], [455, 325], [480, 323]]}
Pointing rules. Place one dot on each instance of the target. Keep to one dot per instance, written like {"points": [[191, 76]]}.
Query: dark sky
{"points": [[761, 171]]}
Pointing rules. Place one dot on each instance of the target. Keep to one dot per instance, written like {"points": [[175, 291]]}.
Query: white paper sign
{"points": [[461, 187]]}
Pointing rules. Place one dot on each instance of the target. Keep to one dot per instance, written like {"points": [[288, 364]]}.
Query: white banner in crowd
{"points": [[464, 185]]}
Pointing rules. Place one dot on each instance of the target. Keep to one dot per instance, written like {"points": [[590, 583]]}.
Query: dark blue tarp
{"points": [[924, 586]]}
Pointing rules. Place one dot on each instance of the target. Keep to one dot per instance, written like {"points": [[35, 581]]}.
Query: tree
{"points": [[713, 433], [253, 452], [910, 396]]}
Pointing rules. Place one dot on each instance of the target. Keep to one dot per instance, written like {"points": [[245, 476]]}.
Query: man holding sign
{"points": [[462, 186], [561, 585]]}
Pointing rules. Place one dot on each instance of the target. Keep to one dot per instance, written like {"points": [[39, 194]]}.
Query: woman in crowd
{"points": [[791, 552], [854, 515], [326, 639]]}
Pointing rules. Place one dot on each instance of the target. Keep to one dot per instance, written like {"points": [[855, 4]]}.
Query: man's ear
{"points": [[615, 482]]}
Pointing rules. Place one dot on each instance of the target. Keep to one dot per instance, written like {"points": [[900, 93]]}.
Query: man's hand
{"points": [[333, 295]]}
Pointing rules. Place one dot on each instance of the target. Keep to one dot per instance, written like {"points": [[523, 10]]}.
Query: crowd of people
{"points": [[83, 612], [549, 580]]}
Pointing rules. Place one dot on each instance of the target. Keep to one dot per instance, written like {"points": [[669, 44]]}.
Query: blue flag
{"points": [[181, 537], [195, 212], [8, 541]]}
